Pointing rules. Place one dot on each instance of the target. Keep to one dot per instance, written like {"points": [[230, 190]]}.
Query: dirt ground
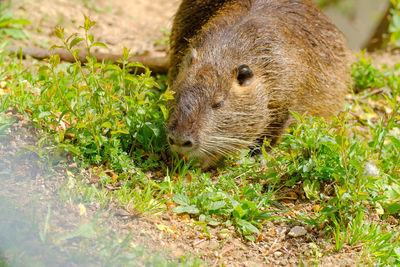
{"points": [[139, 25]]}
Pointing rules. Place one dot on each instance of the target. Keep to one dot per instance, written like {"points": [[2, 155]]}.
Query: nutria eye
{"points": [[244, 75], [217, 105]]}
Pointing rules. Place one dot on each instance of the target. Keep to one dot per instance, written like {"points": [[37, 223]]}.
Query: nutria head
{"points": [[221, 105]]}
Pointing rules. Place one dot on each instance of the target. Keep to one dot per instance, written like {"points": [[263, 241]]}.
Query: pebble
{"points": [[223, 234], [297, 231]]}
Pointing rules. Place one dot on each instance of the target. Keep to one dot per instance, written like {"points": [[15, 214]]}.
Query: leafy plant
{"points": [[394, 25], [244, 214], [365, 75], [101, 111], [11, 27]]}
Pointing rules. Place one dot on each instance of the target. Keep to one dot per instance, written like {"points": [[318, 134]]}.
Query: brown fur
{"points": [[298, 58]]}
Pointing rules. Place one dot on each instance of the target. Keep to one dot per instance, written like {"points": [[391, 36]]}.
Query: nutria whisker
{"points": [[227, 140], [221, 148]]}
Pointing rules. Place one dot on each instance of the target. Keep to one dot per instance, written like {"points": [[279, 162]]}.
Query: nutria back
{"points": [[238, 67]]}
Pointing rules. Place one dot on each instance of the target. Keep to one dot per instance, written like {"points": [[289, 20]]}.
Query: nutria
{"points": [[238, 67]]}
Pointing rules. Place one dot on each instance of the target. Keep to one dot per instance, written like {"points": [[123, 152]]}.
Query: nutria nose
{"points": [[180, 141]]}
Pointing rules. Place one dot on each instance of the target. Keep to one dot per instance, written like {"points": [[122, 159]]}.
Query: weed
{"points": [[11, 27], [164, 40], [143, 200], [43, 232], [91, 4], [394, 26], [245, 209], [180, 165], [99, 111], [5, 123], [345, 6]]}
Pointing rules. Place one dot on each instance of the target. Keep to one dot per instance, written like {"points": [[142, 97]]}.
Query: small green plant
{"points": [[244, 214], [180, 165], [317, 151], [147, 200], [365, 75], [44, 231], [164, 40], [11, 27], [91, 4], [5, 123], [343, 5], [394, 25], [246, 207]]}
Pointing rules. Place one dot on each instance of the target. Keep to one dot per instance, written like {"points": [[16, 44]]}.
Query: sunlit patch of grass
{"points": [[97, 111]]}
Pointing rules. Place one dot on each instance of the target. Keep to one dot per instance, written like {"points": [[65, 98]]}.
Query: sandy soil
{"points": [[137, 25]]}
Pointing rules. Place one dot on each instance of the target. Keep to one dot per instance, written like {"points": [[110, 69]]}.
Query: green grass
{"points": [[11, 27], [110, 119], [393, 38], [97, 111]]}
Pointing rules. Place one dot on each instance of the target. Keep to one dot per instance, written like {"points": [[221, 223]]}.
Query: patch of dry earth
{"points": [[134, 24]]}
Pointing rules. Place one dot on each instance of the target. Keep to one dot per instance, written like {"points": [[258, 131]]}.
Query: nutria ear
{"points": [[244, 75]]}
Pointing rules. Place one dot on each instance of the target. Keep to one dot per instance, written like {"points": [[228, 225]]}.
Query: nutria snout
{"points": [[238, 67]]}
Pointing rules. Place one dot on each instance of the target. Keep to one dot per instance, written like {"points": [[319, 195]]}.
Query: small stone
{"points": [[213, 245], [224, 234], [297, 231], [278, 254]]}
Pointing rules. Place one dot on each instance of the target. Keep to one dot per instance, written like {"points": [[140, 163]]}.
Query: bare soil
{"points": [[137, 25]]}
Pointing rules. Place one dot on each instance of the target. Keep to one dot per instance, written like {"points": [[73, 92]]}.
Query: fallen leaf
{"points": [[316, 208], [171, 205], [188, 177], [73, 165], [288, 200], [260, 238], [82, 210], [185, 217], [271, 232], [164, 228], [114, 178]]}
